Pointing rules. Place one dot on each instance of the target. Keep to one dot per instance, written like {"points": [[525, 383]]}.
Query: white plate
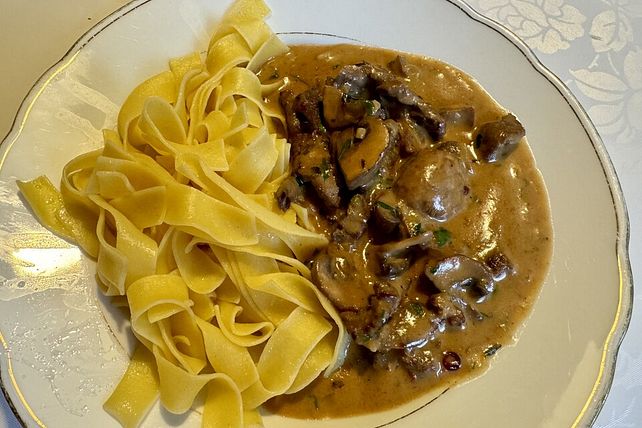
{"points": [[59, 360]]}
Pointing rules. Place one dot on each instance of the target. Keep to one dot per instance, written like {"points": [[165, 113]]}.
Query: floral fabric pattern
{"points": [[546, 25], [595, 48]]}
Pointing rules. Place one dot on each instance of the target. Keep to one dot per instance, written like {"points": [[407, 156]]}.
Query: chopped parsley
{"points": [[385, 206], [442, 236], [416, 309], [325, 169], [492, 350], [416, 229], [370, 107], [344, 147]]}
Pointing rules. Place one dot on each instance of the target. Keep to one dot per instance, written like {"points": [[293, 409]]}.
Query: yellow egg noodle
{"points": [[177, 208]]}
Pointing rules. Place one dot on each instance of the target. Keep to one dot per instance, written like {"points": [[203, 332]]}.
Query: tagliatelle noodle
{"points": [[178, 210]]}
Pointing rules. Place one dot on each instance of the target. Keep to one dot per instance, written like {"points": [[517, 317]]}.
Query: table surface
{"points": [[594, 46]]}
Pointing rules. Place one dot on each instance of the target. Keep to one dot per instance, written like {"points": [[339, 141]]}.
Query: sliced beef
{"points": [[307, 106], [410, 325], [286, 99], [356, 219], [449, 309], [499, 265], [312, 162], [419, 360], [413, 138]]}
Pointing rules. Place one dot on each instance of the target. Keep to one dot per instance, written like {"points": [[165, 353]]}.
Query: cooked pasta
{"points": [[177, 208]]}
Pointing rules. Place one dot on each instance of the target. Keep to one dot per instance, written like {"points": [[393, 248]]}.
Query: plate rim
{"points": [[611, 346]]}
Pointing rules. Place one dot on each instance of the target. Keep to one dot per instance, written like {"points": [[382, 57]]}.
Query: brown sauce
{"points": [[510, 211]]}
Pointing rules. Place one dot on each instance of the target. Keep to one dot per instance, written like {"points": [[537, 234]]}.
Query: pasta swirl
{"points": [[177, 208]]}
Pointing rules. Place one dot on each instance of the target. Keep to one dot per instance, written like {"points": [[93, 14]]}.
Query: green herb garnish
{"points": [[385, 206], [416, 229], [492, 350], [344, 147], [325, 169], [370, 107], [416, 309], [442, 236]]}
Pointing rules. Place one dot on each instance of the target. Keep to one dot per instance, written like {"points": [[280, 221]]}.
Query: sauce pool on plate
{"points": [[438, 220]]}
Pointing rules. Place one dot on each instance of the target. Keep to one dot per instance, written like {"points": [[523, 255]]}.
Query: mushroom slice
{"points": [[386, 214], [460, 272], [394, 257], [362, 160], [411, 325], [289, 191]]}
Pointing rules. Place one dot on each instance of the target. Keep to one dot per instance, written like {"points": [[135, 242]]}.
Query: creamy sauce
{"points": [[510, 212]]}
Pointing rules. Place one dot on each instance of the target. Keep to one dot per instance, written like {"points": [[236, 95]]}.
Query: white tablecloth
{"points": [[594, 46]]}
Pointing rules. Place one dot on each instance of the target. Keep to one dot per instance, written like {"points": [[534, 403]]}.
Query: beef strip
{"points": [[311, 160]]}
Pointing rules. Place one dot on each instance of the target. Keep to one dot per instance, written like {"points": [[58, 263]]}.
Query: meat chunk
{"points": [[312, 162], [413, 138], [496, 140], [449, 310], [435, 183], [419, 360], [356, 219], [307, 106], [286, 99], [499, 265]]}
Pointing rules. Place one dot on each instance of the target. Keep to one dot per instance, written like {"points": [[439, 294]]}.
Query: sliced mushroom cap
{"points": [[338, 281], [411, 325], [394, 257], [435, 183], [337, 112], [362, 160], [462, 273], [386, 214], [496, 140], [289, 191]]}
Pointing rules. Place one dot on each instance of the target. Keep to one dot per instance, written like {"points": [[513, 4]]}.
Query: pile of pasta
{"points": [[178, 210]]}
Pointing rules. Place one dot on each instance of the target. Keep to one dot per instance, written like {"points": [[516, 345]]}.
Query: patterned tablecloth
{"points": [[595, 47]]}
